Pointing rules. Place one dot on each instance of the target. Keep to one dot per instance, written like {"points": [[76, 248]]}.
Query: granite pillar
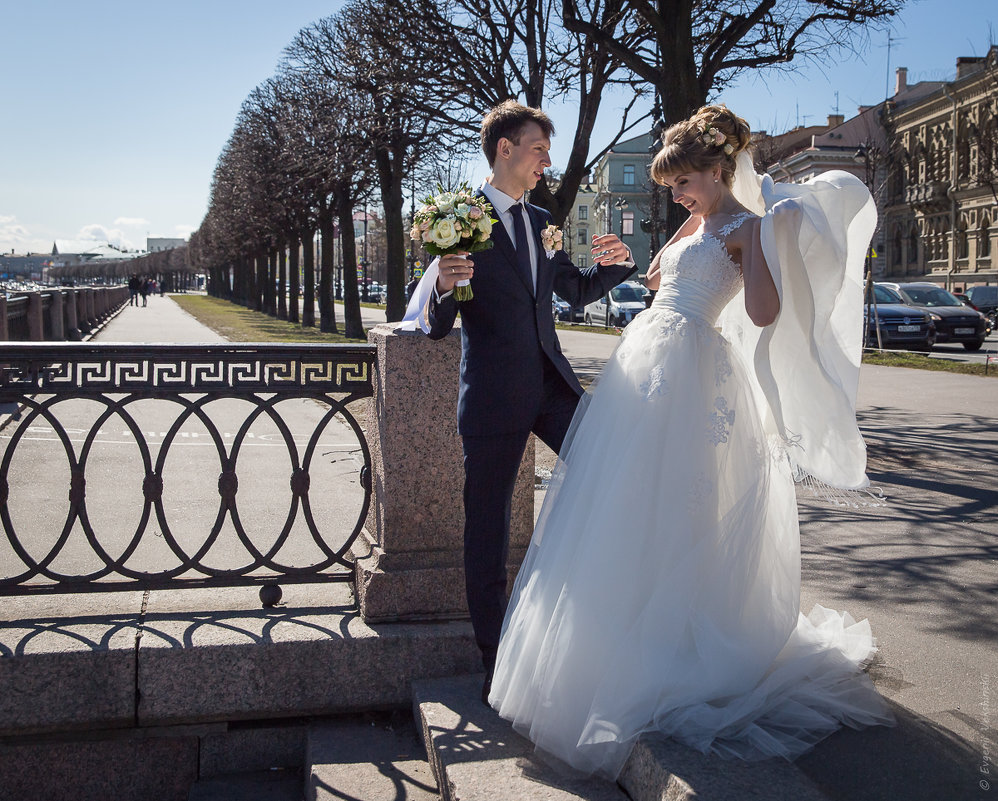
{"points": [[410, 554], [56, 327], [72, 327], [36, 321]]}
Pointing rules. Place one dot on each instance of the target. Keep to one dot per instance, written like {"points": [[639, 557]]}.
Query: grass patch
{"points": [[588, 329], [239, 324], [919, 362]]}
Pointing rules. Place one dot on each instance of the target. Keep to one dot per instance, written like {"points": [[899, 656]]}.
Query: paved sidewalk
{"points": [[161, 321]]}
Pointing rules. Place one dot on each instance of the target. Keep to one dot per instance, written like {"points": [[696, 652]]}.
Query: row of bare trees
{"points": [[383, 95]]}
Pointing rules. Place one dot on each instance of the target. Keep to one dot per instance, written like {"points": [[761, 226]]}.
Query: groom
{"points": [[514, 377]]}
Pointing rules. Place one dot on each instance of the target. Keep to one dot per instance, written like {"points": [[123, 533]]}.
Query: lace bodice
{"points": [[698, 275]]}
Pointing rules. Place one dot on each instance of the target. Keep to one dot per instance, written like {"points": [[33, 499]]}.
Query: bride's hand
{"points": [[453, 268], [608, 249]]}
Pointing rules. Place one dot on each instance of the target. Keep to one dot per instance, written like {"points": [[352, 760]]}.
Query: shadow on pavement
{"points": [[918, 760]]}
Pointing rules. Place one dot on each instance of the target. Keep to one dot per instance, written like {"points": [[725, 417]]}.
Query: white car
{"points": [[626, 301]]}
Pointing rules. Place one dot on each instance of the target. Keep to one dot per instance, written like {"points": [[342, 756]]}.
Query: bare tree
{"points": [[695, 47], [489, 51], [367, 50]]}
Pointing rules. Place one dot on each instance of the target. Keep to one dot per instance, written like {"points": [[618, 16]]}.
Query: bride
{"points": [[661, 590]]}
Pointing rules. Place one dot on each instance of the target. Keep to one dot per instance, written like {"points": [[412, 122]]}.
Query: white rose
{"points": [[485, 225], [445, 234]]}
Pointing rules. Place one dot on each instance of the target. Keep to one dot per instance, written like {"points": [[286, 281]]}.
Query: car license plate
{"points": [[907, 328], [960, 331]]}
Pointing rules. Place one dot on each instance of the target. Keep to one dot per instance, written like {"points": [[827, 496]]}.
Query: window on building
{"points": [[583, 212], [583, 236], [984, 238], [629, 175], [962, 246], [627, 223], [582, 261]]}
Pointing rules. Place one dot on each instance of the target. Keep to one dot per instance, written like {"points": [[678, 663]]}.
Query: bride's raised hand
{"points": [[608, 249]]}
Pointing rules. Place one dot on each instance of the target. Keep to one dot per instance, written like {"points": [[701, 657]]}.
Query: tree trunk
{"points": [[327, 309], [308, 289], [282, 283], [270, 292], [353, 325], [294, 291], [390, 182], [260, 276]]}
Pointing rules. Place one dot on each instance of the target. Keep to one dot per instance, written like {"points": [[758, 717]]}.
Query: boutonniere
{"points": [[552, 238]]}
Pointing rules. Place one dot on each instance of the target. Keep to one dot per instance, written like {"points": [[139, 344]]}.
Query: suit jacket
{"points": [[507, 331]]}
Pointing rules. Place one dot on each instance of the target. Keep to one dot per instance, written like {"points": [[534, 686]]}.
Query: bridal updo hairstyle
{"points": [[689, 147], [507, 120]]}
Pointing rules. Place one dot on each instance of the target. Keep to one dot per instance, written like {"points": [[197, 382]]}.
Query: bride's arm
{"points": [[762, 301], [654, 275]]}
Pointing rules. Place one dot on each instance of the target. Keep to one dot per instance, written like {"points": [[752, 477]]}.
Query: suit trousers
{"points": [[490, 466]]}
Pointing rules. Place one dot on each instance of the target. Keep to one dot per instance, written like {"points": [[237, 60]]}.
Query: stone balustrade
{"points": [[54, 315]]}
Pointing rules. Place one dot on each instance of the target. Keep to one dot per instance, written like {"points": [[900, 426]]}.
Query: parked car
{"points": [[626, 300], [983, 298], [564, 312], [901, 326], [954, 321]]}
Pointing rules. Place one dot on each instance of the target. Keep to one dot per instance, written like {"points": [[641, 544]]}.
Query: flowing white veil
{"points": [[805, 366]]}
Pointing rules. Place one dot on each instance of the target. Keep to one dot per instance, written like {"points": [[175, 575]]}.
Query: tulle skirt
{"points": [[661, 588]]}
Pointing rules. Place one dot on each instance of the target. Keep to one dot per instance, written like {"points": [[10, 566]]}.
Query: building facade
{"points": [[580, 225], [625, 195], [941, 216]]}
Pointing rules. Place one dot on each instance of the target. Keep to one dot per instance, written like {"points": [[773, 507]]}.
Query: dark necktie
{"points": [[522, 248]]}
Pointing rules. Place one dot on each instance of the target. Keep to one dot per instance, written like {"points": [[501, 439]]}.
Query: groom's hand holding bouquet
{"points": [[452, 226]]}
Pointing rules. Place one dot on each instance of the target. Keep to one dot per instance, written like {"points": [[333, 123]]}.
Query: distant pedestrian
{"points": [[144, 287], [133, 290], [162, 288]]}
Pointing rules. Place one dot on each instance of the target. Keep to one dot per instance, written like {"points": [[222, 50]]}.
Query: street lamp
{"points": [[864, 157], [412, 221], [620, 204], [363, 261]]}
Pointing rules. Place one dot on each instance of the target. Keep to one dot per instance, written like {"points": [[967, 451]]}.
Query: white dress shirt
{"points": [[505, 207]]}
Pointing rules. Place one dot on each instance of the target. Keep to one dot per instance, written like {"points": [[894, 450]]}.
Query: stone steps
{"points": [[377, 758], [476, 756], [660, 769], [373, 757], [275, 785]]}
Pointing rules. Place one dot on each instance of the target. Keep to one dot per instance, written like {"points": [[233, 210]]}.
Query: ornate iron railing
{"points": [[105, 383]]}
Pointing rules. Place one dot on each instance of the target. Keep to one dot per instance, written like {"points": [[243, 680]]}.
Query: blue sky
{"points": [[113, 113]]}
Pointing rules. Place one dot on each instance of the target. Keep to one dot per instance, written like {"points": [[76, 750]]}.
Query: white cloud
{"points": [[13, 235], [131, 222], [95, 232], [185, 230]]}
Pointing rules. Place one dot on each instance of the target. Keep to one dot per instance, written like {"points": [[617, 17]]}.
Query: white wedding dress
{"points": [[661, 588]]}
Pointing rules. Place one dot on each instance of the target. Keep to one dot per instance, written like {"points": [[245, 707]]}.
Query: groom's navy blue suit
{"points": [[514, 380]]}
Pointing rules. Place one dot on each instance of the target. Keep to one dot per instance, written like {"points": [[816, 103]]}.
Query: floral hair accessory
{"points": [[552, 238], [714, 137]]}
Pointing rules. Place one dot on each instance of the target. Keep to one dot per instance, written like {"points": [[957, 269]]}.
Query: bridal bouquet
{"points": [[454, 222]]}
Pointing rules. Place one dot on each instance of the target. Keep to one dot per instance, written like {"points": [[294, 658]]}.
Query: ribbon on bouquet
{"points": [[415, 312]]}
